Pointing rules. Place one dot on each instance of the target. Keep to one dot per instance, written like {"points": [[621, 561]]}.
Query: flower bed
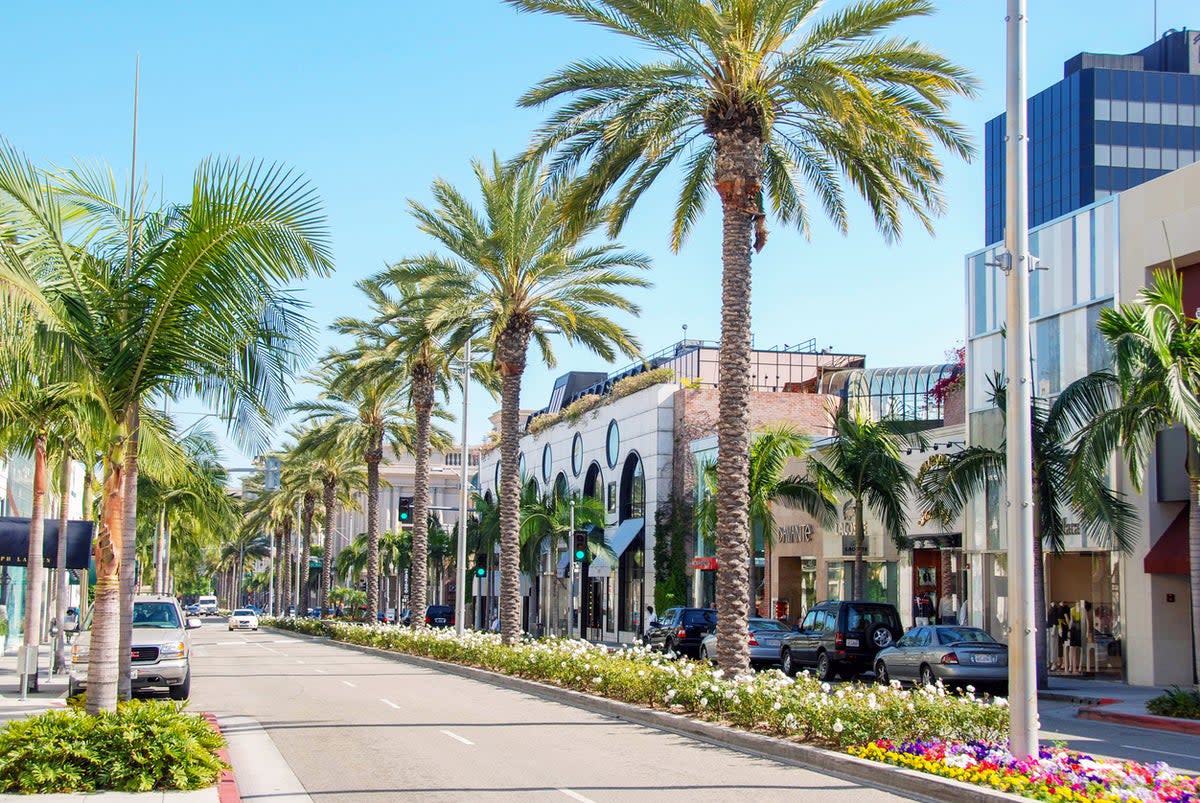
{"points": [[765, 702], [1056, 774]]}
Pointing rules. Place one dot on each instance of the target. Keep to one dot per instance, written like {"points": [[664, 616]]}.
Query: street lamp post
{"points": [[1018, 262], [571, 587], [461, 591]]}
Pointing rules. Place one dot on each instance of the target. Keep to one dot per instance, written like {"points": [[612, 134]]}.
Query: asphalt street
{"points": [[357, 727]]}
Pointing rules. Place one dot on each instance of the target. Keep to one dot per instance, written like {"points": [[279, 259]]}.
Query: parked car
{"points": [[193, 609], [161, 648], [955, 655], [439, 616], [765, 636], [680, 630], [243, 619], [840, 638], [208, 605]]}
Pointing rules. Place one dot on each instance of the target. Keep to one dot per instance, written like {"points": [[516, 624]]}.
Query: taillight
{"points": [[839, 640], [949, 658], [428, 621], [753, 641], [682, 633]]}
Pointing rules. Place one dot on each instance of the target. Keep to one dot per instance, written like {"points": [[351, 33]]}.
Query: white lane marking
{"points": [[299, 661], [265, 647], [457, 738], [322, 671], [348, 683], [227, 643], [283, 641], [389, 702], [1164, 752], [576, 796]]}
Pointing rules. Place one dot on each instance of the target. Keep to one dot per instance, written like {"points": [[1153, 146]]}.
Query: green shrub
{"points": [[1180, 703], [767, 702], [145, 745]]}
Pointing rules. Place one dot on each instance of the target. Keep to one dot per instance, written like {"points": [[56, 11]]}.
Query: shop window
{"points": [[633, 489], [593, 483]]}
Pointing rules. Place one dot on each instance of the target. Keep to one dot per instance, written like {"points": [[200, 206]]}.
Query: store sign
{"points": [[14, 542], [795, 534], [704, 564]]}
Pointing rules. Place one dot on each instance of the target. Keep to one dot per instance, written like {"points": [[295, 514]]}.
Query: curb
{"points": [[1078, 699], [227, 788], [917, 785], [1149, 721]]}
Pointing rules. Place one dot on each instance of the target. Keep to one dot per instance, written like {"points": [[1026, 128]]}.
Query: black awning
{"points": [[14, 542]]}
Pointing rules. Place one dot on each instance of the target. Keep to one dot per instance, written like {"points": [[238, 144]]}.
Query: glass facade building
{"points": [[1111, 123]]}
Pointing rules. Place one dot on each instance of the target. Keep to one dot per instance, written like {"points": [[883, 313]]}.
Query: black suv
{"points": [[840, 638], [439, 616], [681, 630]]}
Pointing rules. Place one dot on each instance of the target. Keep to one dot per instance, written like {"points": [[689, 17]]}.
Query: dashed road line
{"points": [[576, 796], [322, 671], [389, 702], [457, 738], [348, 683], [1156, 750]]}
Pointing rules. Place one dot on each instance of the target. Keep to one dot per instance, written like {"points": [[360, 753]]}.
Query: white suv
{"points": [[160, 647]]}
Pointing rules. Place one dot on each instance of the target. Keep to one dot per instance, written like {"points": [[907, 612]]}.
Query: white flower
{"points": [[704, 702], [778, 705], [838, 727]]}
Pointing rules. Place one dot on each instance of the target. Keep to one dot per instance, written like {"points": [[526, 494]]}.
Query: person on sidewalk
{"points": [[648, 619]]}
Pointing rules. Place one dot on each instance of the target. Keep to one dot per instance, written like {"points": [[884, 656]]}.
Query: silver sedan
{"points": [[764, 636], [957, 656]]}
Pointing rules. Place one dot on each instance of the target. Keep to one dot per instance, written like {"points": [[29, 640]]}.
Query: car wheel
{"points": [[704, 653], [787, 663], [881, 673], [824, 666], [184, 689], [256, 629], [881, 636], [927, 676], [668, 648], [72, 688]]}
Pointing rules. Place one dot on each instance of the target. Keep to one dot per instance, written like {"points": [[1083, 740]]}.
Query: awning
{"points": [[1169, 555], [626, 532]]}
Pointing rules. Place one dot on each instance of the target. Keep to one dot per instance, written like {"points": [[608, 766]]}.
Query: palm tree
{"points": [[186, 298], [246, 546], [395, 560], [361, 410], [762, 102], [302, 477], [862, 460], [352, 561], [1061, 481], [1156, 366], [770, 452], [514, 274], [546, 525]]}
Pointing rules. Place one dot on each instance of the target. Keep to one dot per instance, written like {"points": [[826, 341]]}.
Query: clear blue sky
{"points": [[371, 101]]}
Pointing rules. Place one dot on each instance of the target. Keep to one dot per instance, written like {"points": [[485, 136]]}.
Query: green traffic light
{"points": [[580, 554], [480, 571]]}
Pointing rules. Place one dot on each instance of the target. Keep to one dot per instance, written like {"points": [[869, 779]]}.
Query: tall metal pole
{"points": [[571, 587], [1022, 673], [460, 593]]}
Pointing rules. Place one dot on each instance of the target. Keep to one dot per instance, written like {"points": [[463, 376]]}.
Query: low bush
{"points": [[143, 746], [767, 702], [1180, 703]]}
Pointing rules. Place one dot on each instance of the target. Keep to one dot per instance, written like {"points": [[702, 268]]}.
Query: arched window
{"points": [[633, 488], [577, 454], [487, 497], [547, 463], [593, 484], [521, 465], [562, 489]]}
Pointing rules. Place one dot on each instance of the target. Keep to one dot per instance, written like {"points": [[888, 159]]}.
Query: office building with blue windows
{"points": [[1113, 122]]}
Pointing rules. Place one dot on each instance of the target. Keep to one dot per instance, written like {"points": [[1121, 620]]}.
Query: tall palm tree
{"points": [[360, 409], [770, 485], [764, 102], [352, 561], [187, 297], [513, 273], [862, 460], [1061, 481], [302, 477], [1156, 364]]}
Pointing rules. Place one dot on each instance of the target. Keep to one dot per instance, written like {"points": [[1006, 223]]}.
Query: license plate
{"points": [[985, 659], [851, 642], [133, 674], [439, 621]]}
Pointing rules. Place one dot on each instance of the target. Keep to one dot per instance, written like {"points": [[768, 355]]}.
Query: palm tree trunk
{"points": [[62, 585], [286, 569], [1194, 547], [1039, 609], [308, 510], [373, 456], [737, 174], [860, 537], [106, 608], [511, 348], [128, 557], [422, 399], [330, 501], [34, 570]]}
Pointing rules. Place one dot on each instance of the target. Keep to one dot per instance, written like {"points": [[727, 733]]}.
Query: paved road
{"points": [[1059, 723], [356, 727]]}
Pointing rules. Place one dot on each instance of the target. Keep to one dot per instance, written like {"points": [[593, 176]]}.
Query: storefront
{"points": [[795, 568], [939, 579]]}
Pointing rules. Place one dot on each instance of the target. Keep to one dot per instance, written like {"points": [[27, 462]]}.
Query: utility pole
{"points": [[571, 587], [1022, 642]]}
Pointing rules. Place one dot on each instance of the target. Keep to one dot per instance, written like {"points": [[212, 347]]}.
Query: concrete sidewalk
{"points": [[51, 693], [1115, 702]]}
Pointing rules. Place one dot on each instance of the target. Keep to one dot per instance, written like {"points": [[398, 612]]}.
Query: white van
{"points": [[208, 606]]}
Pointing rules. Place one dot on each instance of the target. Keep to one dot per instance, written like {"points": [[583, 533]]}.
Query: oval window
{"points": [[613, 443], [547, 463], [577, 454], [521, 465]]}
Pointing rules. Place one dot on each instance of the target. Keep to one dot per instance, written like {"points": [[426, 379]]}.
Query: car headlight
{"points": [[172, 649], [79, 655]]}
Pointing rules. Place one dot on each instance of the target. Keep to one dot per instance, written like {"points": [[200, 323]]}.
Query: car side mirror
{"points": [[193, 622]]}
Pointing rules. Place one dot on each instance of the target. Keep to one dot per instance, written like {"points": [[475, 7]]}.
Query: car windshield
{"points": [[767, 624], [863, 618], [961, 635], [243, 612], [155, 614]]}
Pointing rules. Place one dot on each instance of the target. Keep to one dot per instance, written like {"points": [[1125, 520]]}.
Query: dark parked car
{"points": [[439, 616], [840, 638], [957, 656], [681, 630], [764, 636]]}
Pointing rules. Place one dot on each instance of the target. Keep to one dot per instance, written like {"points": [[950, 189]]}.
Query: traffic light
{"points": [[581, 548], [481, 565], [406, 510]]}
